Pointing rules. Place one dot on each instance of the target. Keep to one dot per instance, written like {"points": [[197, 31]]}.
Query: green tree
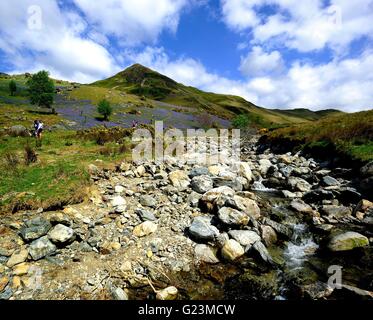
{"points": [[12, 87], [104, 108], [241, 121], [41, 90]]}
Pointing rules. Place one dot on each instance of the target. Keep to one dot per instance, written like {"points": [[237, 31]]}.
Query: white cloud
{"points": [[258, 62], [344, 84], [240, 14], [302, 25], [58, 46], [134, 21]]}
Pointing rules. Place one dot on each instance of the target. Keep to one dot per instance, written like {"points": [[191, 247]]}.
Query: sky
{"points": [[283, 54]]}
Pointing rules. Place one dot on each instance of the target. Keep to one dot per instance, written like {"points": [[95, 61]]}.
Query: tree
{"points": [[241, 121], [41, 90], [12, 87], [104, 108]]}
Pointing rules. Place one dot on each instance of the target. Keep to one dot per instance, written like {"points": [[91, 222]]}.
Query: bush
{"points": [[11, 160], [30, 155], [104, 108], [241, 121], [12, 87]]}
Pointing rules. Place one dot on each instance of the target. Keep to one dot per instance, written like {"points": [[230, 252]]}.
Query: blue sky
{"points": [[275, 53]]}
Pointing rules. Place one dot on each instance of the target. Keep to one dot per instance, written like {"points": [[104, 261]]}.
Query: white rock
{"points": [[61, 234], [244, 237], [205, 253], [145, 229], [118, 201], [118, 189], [232, 250], [169, 293], [179, 179]]}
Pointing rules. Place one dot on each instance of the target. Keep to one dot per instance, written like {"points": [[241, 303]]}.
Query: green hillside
{"points": [[142, 81], [309, 114], [350, 135]]}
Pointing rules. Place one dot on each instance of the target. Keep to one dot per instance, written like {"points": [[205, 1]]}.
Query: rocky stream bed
{"points": [[271, 229]]}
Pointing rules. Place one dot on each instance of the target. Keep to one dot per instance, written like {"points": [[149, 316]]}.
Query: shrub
{"points": [[12, 87], [30, 155], [241, 121], [104, 108], [11, 160]]}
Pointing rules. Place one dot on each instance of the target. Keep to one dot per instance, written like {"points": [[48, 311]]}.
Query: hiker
{"points": [[38, 127]]}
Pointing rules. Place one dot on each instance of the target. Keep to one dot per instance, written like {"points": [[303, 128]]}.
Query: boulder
{"points": [[232, 250], [334, 211], [202, 183], [246, 205], [60, 234], [17, 257], [300, 206], [18, 131], [232, 182], [260, 248], [216, 198], [299, 184], [41, 247], [329, 181], [232, 216], [179, 179], [269, 235], [193, 199], [144, 229], [347, 241], [205, 253], [288, 194], [244, 170], [280, 229], [264, 165], [21, 269], [201, 229], [244, 237], [198, 171], [364, 206], [35, 228]]}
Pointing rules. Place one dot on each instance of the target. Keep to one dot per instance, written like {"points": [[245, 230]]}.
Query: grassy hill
{"points": [[144, 82], [349, 135], [309, 114]]}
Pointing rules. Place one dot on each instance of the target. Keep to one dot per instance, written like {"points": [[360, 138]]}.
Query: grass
{"points": [[59, 176], [350, 135]]}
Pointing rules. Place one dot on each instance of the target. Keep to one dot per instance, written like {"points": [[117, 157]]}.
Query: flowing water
{"points": [[300, 247]]}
